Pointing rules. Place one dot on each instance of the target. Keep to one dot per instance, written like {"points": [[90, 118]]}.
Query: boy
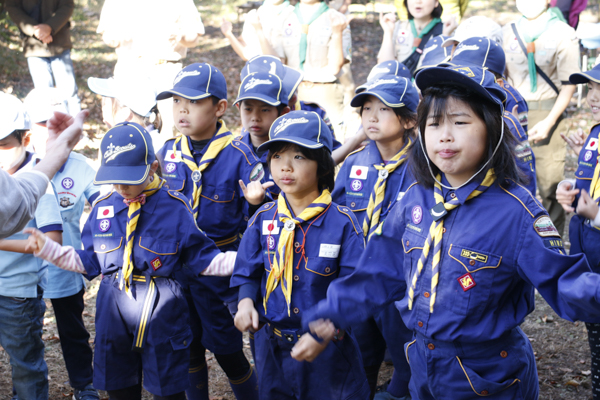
{"points": [[205, 163], [22, 276]]}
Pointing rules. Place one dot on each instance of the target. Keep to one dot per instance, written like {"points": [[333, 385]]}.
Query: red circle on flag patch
{"points": [[270, 227], [359, 172], [172, 156], [105, 212]]}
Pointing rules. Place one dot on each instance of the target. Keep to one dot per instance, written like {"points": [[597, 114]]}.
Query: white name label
{"points": [[329, 250]]}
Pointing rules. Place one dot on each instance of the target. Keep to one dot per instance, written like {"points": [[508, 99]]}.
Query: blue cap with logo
{"points": [[385, 68], [394, 91], [481, 52], [126, 154], [584, 77], [477, 79], [197, 81], [290, 77], [261, 86], [304, 128], [434, 53]]}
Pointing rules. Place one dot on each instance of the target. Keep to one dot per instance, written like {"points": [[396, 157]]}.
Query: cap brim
{"points": [[298, 141], [4, 132], [190, 94], [585, 77], [438, 75], [360, 98], [103, 87], [265, 99], [118, 175], [450, 41]]}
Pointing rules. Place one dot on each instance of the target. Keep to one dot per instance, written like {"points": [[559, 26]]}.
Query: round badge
{"points": [[170, 167], [417, 215], [104, 225], [588, 155], [514, 45], [384, 173], [67, 183], [271, 242], [401, 39], [196, 176], [288, 32], [356, 185], [289, 225]]}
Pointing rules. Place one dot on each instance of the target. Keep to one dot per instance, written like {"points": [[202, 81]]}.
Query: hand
{"points": [[565, 195], [35, 241], [65, 130], [307, 348], [255, 192], [387, 22], [540, 131], [323, 328], [226, 27], [515, 111], [575, 141], [587, 207], [42, 31], [338, 22], [449, 26], [254, 20], [247, 316]]}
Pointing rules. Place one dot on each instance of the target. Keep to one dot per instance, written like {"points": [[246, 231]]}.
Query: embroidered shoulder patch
{"points": [[544, 227], [257, 173]]}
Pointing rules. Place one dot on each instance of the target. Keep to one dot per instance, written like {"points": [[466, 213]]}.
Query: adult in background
{"points": [[44, 25], [541, 53]]}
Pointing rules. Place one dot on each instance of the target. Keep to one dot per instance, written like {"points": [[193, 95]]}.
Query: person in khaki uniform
{"points": [[553, 46]]}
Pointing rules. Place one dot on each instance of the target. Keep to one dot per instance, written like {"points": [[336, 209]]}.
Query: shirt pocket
{"points": [[357, 195], [320, 271], [156, 254], [109, 251], [219, 209], [466, 279], [412, 245]]}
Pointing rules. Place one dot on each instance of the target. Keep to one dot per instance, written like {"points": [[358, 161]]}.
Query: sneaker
{"points": [[387, 396], [87, 393]]}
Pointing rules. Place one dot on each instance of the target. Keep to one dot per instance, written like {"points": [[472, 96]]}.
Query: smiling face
{"points": [[593, 99], [197, 118], [257, 117], [421, 9], [295, 174], [456, 141]]}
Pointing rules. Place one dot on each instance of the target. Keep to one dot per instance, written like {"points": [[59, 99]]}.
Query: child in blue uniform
{"points": [[582, 196], [369, 182], [206, 163], [472, 245], [291, 252], [136, 237]]}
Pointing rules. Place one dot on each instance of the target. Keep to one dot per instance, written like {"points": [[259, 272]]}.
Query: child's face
{"points": [[257, 117], [197, 118], [295, 174], [457, 143], [133, 191], [421, 8], [380, 122], [593, 99], [12, 153]]}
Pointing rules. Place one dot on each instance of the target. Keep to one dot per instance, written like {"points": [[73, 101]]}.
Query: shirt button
{"points": [[296, 310], [353, 204], [296, 278], [407, 242], [430, 346], [472, 262], [420, 324], [453, 195], [426, 294], [580, 172], [185, 342], [443, 230], [246, 218], [216, 197], [327, 269], [297, 244], [102, 247], [503, 354], [484, 392]]}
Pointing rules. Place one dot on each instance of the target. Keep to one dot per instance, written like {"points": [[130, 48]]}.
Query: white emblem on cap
{"points": [[381, 82], [255, 82], [184, 74], [285, 122], [112, 151], [460, 49], [289, 225]]}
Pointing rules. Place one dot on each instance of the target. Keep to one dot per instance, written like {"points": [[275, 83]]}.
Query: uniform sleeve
{"points": [[87, 254], [47, 214], [347, 43], [198, 249], [61, 16], [566, 282], [339, 191], [249, 264], [377, 280], [567, 57], [352, 248], [91, 191]]}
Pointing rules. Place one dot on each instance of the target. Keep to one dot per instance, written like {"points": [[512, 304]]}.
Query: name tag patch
{"points": [[329, 250], [471, 255], [466, 282], [553, 243], [270, 228], [105, 212]]}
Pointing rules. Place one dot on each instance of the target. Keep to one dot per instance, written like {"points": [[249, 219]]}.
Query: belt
{"points": [[541, 105], [289, 336], [225, 242]]}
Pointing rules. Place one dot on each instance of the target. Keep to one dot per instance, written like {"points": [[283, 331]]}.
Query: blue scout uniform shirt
{"points": [[506, 255], [588, 157], [525, 157], [274, 190], [357, 177], [73, 184], [20, 274], [222, 207], [333, 244], [514, 98], [166, 236]]}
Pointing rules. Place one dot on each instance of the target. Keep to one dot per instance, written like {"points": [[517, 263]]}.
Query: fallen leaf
{"points": [[586, 373]]}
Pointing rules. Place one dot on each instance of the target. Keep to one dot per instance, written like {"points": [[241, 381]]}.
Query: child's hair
{"points": [[404, 115], [436, 13], [280, 107], [437, 97], [19, 134], [325, 164], [154, 119], [215, 100]]}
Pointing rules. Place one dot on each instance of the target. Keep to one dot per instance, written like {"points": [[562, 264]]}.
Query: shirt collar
{"points": [[463, 192]]}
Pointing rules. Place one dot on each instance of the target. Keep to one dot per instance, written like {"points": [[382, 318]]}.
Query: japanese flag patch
{"points": [[270, 228], [592, 144], [359, 172], [105, 212], [173, 157], [544, 227]]}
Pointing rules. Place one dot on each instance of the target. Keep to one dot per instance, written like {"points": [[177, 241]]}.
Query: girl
{"points": [[405, 40], [291, 252], [136, 237], [472, 245], [369, 182], [582, 197]]}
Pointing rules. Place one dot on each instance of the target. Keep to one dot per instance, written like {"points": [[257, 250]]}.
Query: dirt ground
{"points": [[562, 353]]}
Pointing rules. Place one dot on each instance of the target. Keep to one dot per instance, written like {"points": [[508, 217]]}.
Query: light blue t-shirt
{"points": [[72, 184], [20, 274]]}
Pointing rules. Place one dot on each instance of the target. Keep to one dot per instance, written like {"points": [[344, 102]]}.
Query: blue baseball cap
{"points": [[584, 77], [304, 128], [197, 81], [126, 154], [482, 52], [477, 79], [434, 53], [261, 86], [134, 91], [290, 77], [394, 91], [385, 68]]}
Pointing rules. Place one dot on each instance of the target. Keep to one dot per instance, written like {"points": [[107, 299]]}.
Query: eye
{"points": [[299, 157], [276, 156], [175, 100], [433, 124], [384, 108], [193, 101], [366, 108]]}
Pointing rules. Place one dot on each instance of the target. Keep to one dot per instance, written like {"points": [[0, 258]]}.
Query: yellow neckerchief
{"points": [[595, 183], [133, 215], [218, 143], [282, 269], [435, 235], [378, 194]]}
